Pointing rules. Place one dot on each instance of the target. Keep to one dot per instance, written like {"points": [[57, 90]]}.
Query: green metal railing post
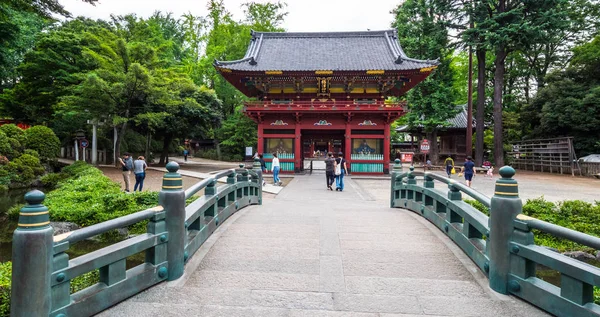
{"points": [[397, 169], [172, 198], [32, 256], [258, 169], [505, 206]]}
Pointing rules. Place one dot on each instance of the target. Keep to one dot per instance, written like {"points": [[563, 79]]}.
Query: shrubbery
{"points": [[44, 141], [23, 152], [5, 275], [573, 214]]}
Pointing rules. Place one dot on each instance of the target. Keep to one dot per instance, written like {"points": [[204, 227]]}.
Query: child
{"points": [[490, 172]]}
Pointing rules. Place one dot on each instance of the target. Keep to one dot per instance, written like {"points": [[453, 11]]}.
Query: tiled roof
{"points": [[335, 51], [458, 122]]}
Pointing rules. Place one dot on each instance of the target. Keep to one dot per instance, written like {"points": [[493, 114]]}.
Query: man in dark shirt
{"points": [[469, 170], [330, 170], [263, 167]]}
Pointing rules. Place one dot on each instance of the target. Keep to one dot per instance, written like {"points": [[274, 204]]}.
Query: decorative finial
{"points": [[507, 172], [397, 161], [35, 197], [172, 167]]}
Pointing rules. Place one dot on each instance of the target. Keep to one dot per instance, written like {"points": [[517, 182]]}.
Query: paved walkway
{"points": [[313, 252]]}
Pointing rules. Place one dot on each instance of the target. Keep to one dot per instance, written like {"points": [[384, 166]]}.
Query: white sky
{"points": [[304, 15]]}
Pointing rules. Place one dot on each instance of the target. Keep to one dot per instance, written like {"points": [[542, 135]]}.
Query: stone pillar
{"points": [[505, 207], [386, 149], [172, 198], [32, 256]]}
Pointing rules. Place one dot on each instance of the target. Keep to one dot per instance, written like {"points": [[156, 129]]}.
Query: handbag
{"points": [[453, 171], [338, 169]]}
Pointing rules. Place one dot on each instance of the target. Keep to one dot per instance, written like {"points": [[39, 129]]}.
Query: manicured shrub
{"points": [[5, 276], [24, 169], [5, 147], [13, 131], [51, 180], [44, 141], [479, 206]]}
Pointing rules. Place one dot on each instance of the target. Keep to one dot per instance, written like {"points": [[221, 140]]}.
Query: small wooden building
{"points": [[452, 138], [325, 92]]}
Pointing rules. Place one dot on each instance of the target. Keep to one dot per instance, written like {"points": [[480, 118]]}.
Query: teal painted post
{"points": [[258, 169], [453, 195], [428, 183], [396, 170], [172, 198], [32, 256], [505, 207]]}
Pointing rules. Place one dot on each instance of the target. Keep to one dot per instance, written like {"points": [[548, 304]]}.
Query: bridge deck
{"points": [[312, 252]]}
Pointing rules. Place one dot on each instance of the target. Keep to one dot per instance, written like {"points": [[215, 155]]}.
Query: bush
{"points": [[209, 154], [479, 206], [5, 147], [88, 197], [13, 131], [24, 169], [573, 214], [5, 276], [51, 180], [44, 141]]}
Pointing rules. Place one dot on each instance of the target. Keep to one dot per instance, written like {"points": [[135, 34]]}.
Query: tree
{"points": [[514, 24], [570, 103], [423, 35]]}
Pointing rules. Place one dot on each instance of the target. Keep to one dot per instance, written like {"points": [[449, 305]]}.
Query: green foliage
{"points": [[84, 281], [24, 169], [44, 141], [51, 180], [479, 206], [573, 214], [88, 197], [5, 280], [570, 103], [237, 132]]}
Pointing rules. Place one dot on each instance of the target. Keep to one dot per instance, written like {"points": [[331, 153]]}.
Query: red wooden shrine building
{"points": [[318, 92]]}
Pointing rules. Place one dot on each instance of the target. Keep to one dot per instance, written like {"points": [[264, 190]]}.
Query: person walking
{"points": [[329, 170], [469, 170], [263, 167], [275, 169], [139, 169], [340, 170], [126, 166], [449, 163], [185, 154]]}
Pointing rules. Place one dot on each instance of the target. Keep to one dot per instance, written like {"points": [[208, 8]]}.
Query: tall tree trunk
{"points": [[498, 87], [480, 116], [120, 137], [164, 156], [147, 150]]}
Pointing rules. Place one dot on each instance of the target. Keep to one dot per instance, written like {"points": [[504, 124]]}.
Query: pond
{"points": [[7, 227]]}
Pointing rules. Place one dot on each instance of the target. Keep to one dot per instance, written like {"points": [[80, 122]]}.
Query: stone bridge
{"points": [[314, 252]]}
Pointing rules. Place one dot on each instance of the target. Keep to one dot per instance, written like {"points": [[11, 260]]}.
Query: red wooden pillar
{"points": [[348, 146], [298, 149], [261, 141], [386, 148]]}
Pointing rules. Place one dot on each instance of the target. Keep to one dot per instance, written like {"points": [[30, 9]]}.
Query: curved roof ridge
{"points": [[323, 34]]}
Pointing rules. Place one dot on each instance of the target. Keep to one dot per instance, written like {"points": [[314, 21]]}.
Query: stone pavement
{"points": [[313, 252]]}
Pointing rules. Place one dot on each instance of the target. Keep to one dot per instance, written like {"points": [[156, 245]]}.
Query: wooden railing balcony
{"points": [[320, 104]]}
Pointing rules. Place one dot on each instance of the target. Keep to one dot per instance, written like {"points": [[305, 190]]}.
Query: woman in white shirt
{"points": [[275, 169]]}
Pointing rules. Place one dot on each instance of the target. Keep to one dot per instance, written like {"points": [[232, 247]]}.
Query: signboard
{"points": [[248, 151], [84, 143], [406, 157], [425, 146]]}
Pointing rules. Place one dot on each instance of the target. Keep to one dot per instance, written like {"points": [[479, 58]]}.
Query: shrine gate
{"points": [[314, 93]]}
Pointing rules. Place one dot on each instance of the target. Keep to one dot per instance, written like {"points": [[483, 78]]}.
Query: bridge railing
{"points": [[502, 246], [42, 270], [464, 224]]}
